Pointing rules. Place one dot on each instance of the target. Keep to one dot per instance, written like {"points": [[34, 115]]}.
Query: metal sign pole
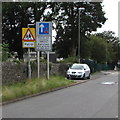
{"points": [[38, 60], [44, 40], [29, 66], [48, 72], [28, 41]]}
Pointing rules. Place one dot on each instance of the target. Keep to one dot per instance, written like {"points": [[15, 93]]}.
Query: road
{"points": [[87, 100]]}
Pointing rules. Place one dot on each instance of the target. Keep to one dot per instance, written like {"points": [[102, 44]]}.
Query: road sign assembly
{"points": [[44, 36], [28, 38]]}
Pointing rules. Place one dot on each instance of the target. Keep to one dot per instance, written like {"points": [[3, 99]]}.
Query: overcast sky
{"points": [[111, 10]]}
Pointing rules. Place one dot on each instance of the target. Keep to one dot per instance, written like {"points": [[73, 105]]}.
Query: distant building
{"points": [[52, 56], [33, 56]]}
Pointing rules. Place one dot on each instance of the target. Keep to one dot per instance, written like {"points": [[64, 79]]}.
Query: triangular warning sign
{"points": [[28, 36]]}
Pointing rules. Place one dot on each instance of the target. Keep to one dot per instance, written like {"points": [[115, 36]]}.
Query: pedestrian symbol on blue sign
{"points": [[44, 28]]}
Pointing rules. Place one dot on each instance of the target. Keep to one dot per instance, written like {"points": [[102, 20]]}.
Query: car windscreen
{"points": [[80, 67]]}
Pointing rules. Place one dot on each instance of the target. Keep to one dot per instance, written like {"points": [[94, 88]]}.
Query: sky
{"points": [[111, 10]]}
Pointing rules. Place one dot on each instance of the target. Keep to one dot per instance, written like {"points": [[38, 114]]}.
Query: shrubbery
{"points": [[5, 52], [70, 60]]}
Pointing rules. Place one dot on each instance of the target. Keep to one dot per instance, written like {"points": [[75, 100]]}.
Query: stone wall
{"points": [[12, 72]]}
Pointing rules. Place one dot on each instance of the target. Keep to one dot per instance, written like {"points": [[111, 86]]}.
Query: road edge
{"points": [[41, 93], [48, 91]]}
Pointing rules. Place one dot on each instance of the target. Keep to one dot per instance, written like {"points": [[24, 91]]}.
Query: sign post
{"points": [[28, 41], [48, 67], [29, 66], [38, 60], [44, 40]]}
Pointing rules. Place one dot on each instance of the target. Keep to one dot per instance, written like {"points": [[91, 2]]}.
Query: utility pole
{"points": [[79, 33]]}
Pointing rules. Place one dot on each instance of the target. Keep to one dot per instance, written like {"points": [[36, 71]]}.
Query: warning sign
{"points": [[28, 34], [28, 38]]}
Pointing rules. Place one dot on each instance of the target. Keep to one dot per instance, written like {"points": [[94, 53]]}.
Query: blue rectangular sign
{"points": [[43, 36], [44, 28]]}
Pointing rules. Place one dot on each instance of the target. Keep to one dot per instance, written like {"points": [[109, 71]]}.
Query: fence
{"points": [[98, 67]]}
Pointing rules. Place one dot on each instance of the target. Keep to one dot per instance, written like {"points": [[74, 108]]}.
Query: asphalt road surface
{"points": [[96, 98]]}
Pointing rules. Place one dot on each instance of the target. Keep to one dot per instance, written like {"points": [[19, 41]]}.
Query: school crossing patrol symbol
{"points": [[28, 38]]}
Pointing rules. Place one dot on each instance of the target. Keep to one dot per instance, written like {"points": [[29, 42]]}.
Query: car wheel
{"points": [[67, 77], [84, 77], [88, 77]]}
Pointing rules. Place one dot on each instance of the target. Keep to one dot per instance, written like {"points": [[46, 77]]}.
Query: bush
{"points": [[70, 60], [5, 52]]}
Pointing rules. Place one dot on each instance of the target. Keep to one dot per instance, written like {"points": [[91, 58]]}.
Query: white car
{"points": [[78, 71]]}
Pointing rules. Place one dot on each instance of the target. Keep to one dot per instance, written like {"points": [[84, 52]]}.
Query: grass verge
{"points": [[29, 87]]}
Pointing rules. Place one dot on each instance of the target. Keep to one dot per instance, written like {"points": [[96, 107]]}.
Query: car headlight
{"points": [[80, 73], [68, 72]]}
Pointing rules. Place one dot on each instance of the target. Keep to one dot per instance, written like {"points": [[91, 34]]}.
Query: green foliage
{"points": [[91, 18], [109, 36], [98, 52], [0, 52], [18, 61], [101, 51], [63, 14], [70, 60], [113, 45], [29, 87], [85, 49], [15, 16], [5, 52], [43, 60]]}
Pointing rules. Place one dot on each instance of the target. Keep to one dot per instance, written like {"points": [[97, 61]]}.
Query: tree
{"points": [[109, 36], [98, 49], [112, 40], [16, 16], [64, 15], [101, 51], [92, 17]]}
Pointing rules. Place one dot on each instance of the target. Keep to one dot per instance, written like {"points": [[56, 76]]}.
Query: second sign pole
{"points": [[48, 70]]}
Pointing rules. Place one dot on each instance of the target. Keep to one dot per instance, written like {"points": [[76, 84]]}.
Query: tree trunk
{"points": [[73, 52]]}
